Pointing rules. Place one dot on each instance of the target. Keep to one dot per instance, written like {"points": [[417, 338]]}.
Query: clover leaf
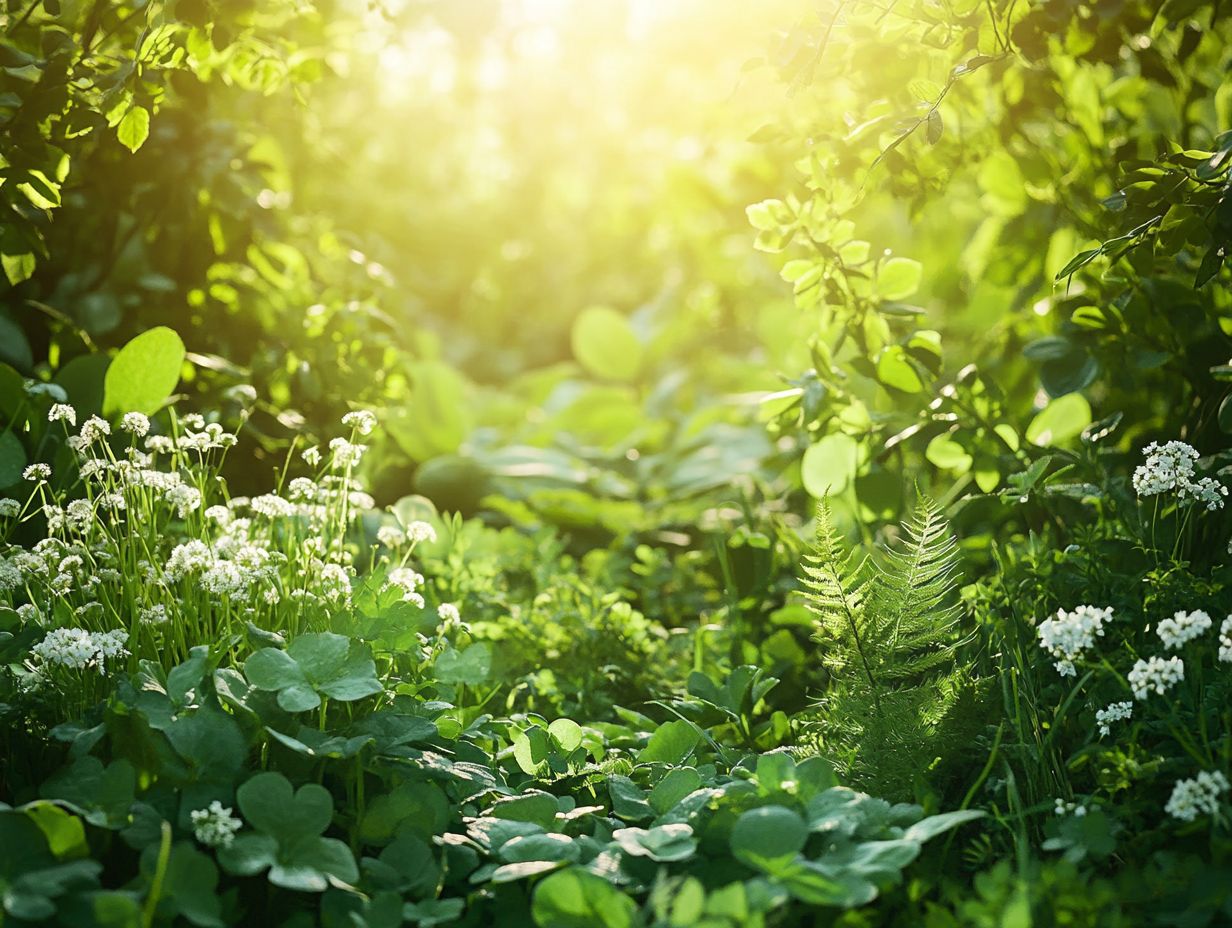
{"points": [[287, 840], [315, 665]]}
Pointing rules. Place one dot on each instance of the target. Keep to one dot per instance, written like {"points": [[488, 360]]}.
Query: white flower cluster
{"points": [[421, 531], [77, 648], [1068, 635], [362, 420], [1225, 640], [9, 508], [1198, 796], [1182, 628], [1063, 808], [215, 826], [136, 423], [408, 582], [1170, 468], [1117, 712], [62, 412], [391, 536], [1156, 675]]}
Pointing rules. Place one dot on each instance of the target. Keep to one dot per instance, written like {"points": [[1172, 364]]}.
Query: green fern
{"points": [[889, 628]]}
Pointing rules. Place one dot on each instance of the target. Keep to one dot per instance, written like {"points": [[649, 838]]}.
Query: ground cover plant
{"points": [[637, 465]]}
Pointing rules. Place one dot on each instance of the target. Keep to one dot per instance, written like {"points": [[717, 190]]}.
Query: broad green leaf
{"points": [[12, 459], [575, 898], [768, 838], [144, 373], [1060, 421], [671, 743], [899, 278], [134, 128], [604, 343], [830, 464]]}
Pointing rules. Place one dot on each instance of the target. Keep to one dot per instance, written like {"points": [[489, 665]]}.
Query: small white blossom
{"points": [[272, 506], [1207, 491], [184, 499], [1117, 712], [420, 531], [160, 444], [1170, 468], [303, 490], [391, 536], [1156, 675], [10, 576], [344, 453], [9, 508], [311, 456], [1182, 628], [152, 615], [1068, 635], [362, 420], [62, 412], [215, 826], [36, 473], [1225, 640], [1063, 808], [94, 429], [136, 423], [76, 648], [1198, 796], [448, 613], [1167, 467]]}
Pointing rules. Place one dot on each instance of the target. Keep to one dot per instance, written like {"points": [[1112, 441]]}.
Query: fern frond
{"points": [[836, 587], [914, 614], [889, 627]]}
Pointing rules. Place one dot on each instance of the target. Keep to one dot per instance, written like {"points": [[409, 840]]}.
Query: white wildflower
{"points": [[1156, 675], [344, 453], [1225, 640], [1063, 808], [1182, 628], [1198, 796], [420, 531], [362, 420], [303, 490], [136, 423], [160, 444], [1068, 635], [1117, 712], [1167, 467], [391, 536], [36, 472], [311, 456], [184, 499], [62, 412], [189, 558], [10, 575], [94, 429], [272, 506], [215, 826], [9, 508], [448, 613]]}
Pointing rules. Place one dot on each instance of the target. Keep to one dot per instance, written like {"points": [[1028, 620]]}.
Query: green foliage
{"points": [[889, 633]]}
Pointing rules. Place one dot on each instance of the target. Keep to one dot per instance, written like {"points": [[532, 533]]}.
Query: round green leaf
{"points": [[769, 837], [568, 734], [605, 344], [574, 898], [830, 464], [898, 278], [1061, 420], [894, 370], [144, 374]]}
